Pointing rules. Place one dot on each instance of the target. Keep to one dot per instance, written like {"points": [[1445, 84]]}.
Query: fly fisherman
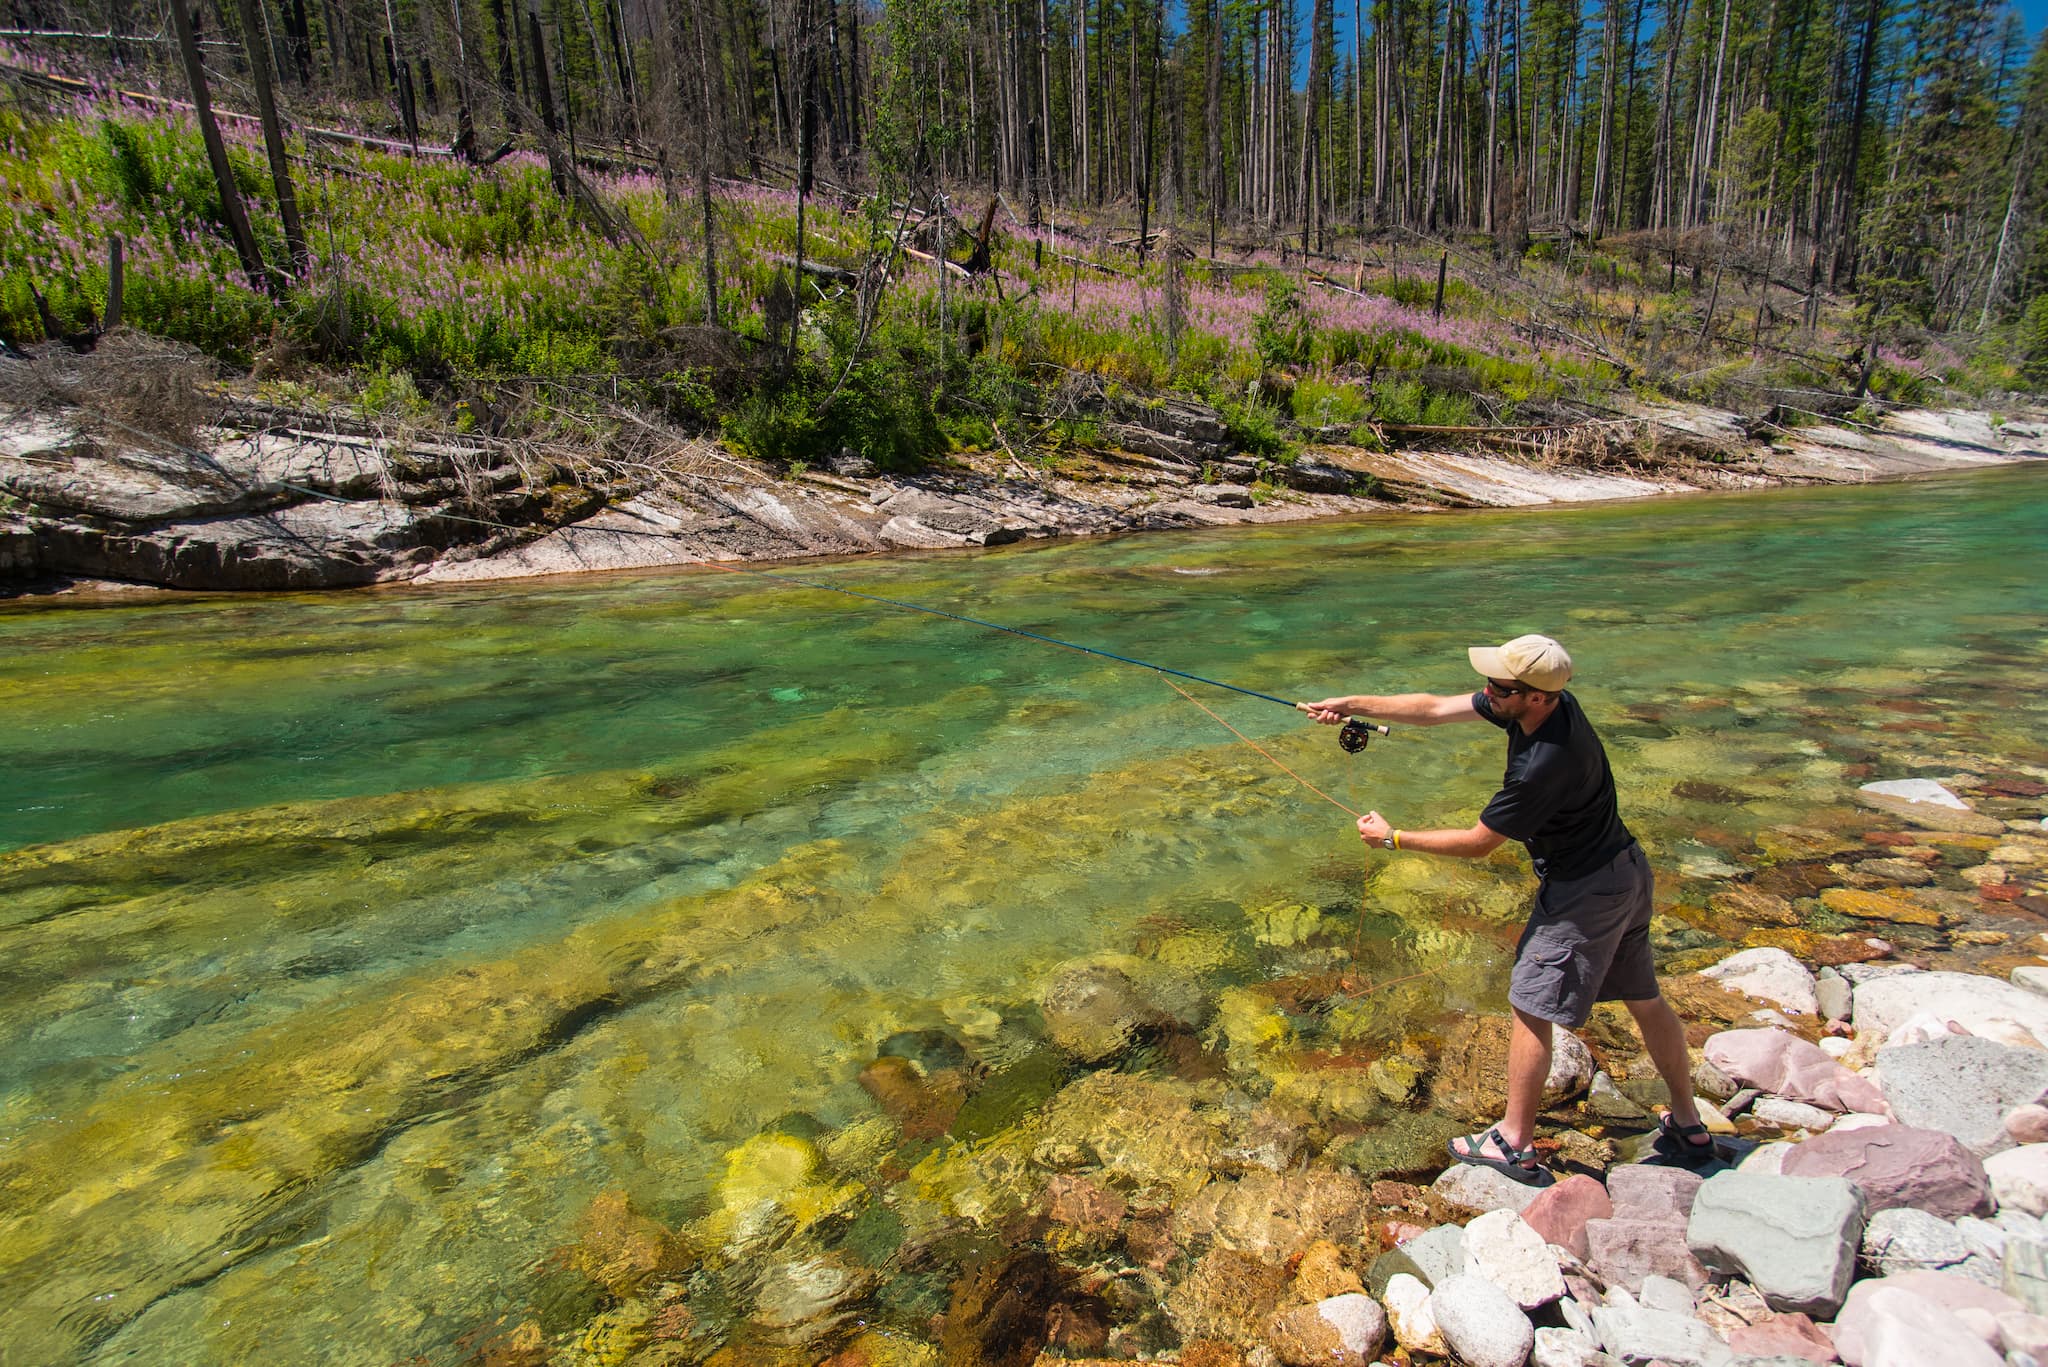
{"points": [[1588, 936]]}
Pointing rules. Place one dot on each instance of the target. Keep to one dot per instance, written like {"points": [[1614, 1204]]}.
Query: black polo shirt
{"points": [[1557, 796]]}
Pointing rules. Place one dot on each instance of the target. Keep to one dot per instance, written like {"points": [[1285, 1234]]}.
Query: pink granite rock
{"points": [[1895, 1328], [1561, 1212], [2027, 1124], [1624, 1250], [1791, 1336], [1910, 1320], [1781, 1063], [1650, 1191], [1898, 1166], [2024, 1333]]}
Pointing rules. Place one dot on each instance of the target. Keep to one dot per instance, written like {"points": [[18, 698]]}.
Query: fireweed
{"points": [[444, 269]]}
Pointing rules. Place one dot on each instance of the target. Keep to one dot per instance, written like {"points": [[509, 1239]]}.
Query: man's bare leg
{"points": [[1528, 1067], [1664, 1036]]}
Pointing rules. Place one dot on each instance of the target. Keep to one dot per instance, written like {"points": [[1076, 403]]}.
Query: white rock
{"points": [[1883, 1004], [1918, 790], [2019, 1178], [2019, 1222], [2008, 1031], [1481, 1325], [1471, 1187], [1571, 1067], [1770, 974], [1502, 1248], [1640, 1334], [1835, 1047], [1859, 1120], [1567, 1348], [2032, 978], [1662, 1293], [1407, 1302], [1982, 1236], [1791, 1115], [1765, 1158], [1921, 1027], [1579, 1318]]}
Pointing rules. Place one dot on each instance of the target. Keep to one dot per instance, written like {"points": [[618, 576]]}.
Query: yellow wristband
{"points": [[1397, 840]]}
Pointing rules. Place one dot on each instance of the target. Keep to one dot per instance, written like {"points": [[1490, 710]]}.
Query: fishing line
{"points": [[997, 626], [1262, 750]]}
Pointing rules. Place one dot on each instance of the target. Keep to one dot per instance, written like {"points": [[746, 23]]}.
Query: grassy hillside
{"points": [[445, 293]]}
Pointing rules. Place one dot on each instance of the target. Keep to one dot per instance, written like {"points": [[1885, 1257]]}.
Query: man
{"points": [[1588, 936]]}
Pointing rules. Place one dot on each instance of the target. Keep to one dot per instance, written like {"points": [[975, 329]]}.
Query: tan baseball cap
{"points": [[1536, 661]]}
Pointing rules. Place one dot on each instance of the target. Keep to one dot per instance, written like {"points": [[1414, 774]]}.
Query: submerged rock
{"points": [[803, 1299], [997, 1315], [1274, 1216], [617, 1248], [1146, 1133], [1094, 1010], [1342, 1331], [1228, 1296]]}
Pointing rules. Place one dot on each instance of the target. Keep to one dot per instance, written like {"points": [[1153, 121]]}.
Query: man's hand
{"points": [[1373, 828], [1328, 712]]}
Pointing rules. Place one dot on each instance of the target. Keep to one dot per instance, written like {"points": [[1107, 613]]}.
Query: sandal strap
{"points": [[1521, 1158]]}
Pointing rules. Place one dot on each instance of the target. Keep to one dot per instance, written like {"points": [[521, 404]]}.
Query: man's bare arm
{"points": [[1409, 709], [1474, 843]]}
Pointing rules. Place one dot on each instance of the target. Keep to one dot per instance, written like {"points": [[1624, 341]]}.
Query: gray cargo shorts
{"points": [[1587, 941]]}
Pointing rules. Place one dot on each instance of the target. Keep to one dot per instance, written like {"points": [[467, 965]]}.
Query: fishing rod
{"points": [[1353, 736]]}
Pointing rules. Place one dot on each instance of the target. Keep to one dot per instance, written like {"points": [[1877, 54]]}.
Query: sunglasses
{"points": [[1497, 689]]}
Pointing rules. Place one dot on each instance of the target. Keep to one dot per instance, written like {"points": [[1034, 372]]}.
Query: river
{"points": [[352, 946]]}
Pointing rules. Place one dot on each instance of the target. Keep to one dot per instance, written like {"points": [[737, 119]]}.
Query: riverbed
{"points": [[359, 946]]}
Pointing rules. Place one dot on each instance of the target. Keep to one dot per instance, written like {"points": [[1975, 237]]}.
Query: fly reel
{"points": [[1355, 735]]}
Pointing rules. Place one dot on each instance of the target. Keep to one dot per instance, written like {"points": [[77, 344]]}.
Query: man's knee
{"points": [[1535, 1026]]}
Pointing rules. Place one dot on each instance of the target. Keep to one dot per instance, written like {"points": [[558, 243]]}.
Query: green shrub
{"points": [[1283, 331], [2033, 328], [1900, 385], [1319, 401], [1256, 430]]}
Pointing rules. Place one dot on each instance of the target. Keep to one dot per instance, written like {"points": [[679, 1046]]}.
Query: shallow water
{"points": [[352, 945]]}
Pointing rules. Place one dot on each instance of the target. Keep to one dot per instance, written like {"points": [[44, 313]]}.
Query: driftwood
{"points": [[838, 275], [952, 267]]}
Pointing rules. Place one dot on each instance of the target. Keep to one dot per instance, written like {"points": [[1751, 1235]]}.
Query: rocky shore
{"points": [[256, 497], [1153, 1167]]}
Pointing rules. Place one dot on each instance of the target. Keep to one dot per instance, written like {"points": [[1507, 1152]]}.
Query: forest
{"points": [[898, 208]]}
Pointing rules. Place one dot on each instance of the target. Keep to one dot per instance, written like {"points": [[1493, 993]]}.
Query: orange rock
{"points": [[616, 1248], [1878, 906]]}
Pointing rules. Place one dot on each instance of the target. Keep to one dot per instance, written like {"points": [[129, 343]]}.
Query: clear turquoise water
{"points": [[351, 945]]}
